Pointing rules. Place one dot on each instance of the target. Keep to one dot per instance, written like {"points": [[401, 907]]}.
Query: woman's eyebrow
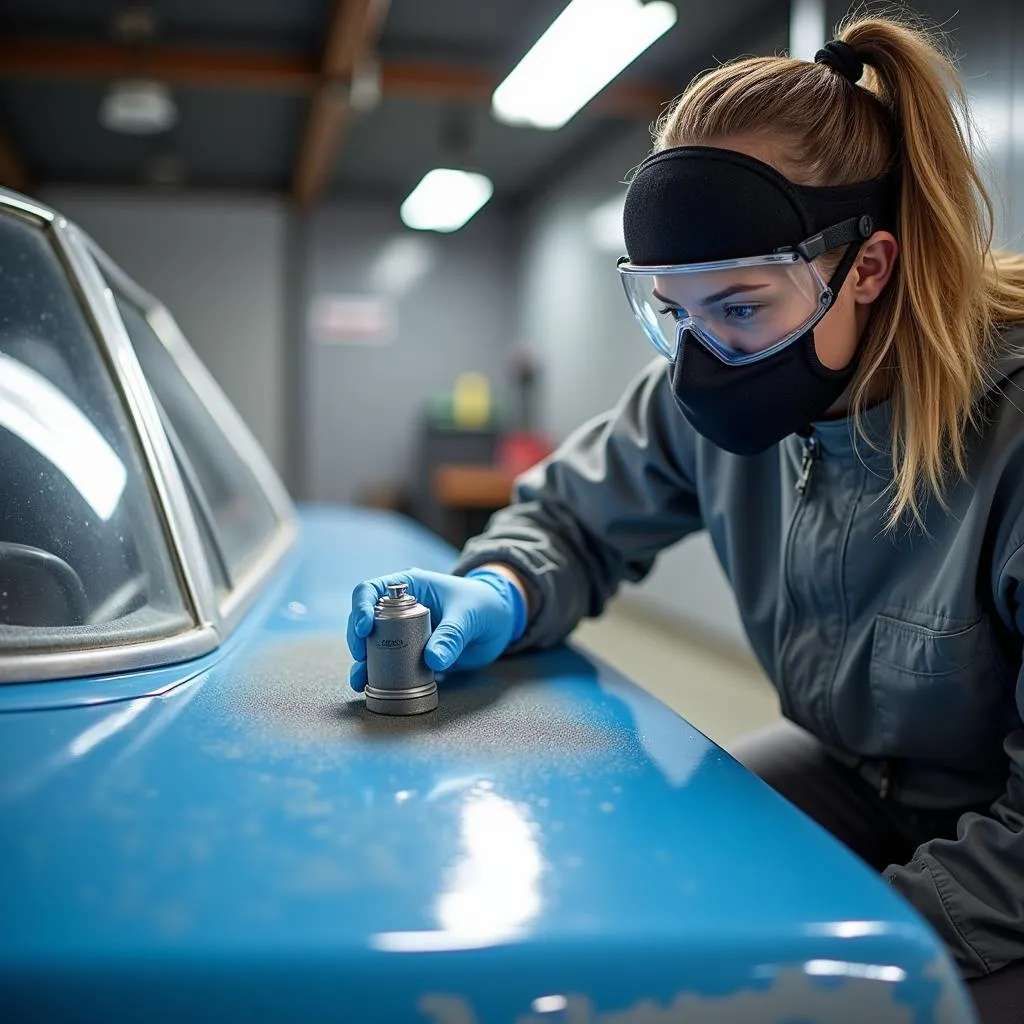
{"points": [[664, 298], [711, 299], [732, 290]]}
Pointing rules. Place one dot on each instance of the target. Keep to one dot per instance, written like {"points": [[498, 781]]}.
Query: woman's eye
{"points": [[741, 314], [673, 311]]}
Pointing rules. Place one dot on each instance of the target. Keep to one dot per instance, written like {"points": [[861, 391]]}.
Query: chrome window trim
{"points": [[46, 666], [24, 205]]}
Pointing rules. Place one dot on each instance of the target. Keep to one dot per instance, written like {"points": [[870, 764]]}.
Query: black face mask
{"points": [[747, 409], [694, 204]]}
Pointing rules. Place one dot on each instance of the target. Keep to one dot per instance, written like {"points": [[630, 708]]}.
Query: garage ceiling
{"points": [[261, 90]]}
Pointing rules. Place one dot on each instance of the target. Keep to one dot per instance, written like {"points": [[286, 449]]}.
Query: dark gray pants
{"points": [[881, 832]]}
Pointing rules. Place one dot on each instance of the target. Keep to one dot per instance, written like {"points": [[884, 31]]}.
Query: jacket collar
{"points": [[839, 438]]}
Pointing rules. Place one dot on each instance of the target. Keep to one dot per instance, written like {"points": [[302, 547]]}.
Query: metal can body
{"points": [[398, 680]]}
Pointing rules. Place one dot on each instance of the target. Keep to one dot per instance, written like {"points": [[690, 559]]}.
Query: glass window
{"points": [[243, 518], [201, 514], [84, 561]]}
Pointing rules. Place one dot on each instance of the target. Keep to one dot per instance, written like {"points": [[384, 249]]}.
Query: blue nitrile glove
{"points": [[474, 617]]}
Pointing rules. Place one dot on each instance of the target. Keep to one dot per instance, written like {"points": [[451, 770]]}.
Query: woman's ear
{"points": [[875, 264]]}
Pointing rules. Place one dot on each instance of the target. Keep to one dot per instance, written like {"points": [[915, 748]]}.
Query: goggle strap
{"points": [[856, 229]]}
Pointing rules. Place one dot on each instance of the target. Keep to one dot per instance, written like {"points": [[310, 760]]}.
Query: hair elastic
{"points": [[841, 57]]}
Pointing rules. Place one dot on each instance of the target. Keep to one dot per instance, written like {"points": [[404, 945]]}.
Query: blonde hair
{"points": [[935, 328]]}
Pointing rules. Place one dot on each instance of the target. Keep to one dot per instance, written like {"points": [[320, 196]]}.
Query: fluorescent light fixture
{"points": [[604, 223], [586, 46], [807, 26], [48, 421], [400, 264], [445, 199]]}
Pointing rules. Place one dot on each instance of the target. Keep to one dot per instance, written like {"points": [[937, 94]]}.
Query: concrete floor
{"points": [[721, 692]]}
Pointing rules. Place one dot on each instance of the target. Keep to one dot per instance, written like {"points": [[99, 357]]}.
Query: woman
{"points": [[809, 246]]}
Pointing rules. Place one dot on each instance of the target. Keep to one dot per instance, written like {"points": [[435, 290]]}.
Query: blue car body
{"points": [[235, 838]]}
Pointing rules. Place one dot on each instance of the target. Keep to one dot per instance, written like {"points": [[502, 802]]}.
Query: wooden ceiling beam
{"points": [[284, 73], [351, 39], [213, 68], [329, 111], [352, 36]]}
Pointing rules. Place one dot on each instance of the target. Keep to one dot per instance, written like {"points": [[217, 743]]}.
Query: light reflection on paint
{"points": [[105, 728], [494, 888], [849, 929], [550, 1004], [842, 969], [492, 892]]}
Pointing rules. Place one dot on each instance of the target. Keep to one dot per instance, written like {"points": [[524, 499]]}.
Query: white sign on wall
{"points": [[351, 320]]}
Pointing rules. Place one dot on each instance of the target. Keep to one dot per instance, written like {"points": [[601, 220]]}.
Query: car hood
{"points": [[237, 835]]}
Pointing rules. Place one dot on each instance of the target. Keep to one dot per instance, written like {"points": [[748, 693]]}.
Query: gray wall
{"points": [[218, 264], [364, 402]]}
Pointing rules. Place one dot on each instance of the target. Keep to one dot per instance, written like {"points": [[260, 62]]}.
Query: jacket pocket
{"points": [[932, 688]]}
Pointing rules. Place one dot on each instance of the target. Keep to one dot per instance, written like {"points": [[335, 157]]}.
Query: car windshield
{"points": [[83, 557]]}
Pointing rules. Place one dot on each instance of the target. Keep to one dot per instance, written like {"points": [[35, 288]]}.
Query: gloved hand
{"points": [[474, 618]]}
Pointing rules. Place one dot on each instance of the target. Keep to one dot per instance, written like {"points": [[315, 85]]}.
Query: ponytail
{"points": [[939, 322]]}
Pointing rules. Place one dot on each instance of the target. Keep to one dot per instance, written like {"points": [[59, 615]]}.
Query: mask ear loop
{"points": [[835, 284]]}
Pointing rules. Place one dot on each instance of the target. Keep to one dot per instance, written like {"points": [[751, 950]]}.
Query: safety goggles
{"points": [[741, 310]]}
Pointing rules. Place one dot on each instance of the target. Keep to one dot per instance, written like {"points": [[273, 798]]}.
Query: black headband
{"points": [[841, 57], [695, 203]]}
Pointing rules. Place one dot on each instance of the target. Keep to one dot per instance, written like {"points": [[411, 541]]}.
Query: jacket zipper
{"points": [[811, 454]]}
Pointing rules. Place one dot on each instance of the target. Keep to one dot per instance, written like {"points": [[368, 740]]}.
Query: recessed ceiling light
{"points": [[445, 199], [138, 107]]}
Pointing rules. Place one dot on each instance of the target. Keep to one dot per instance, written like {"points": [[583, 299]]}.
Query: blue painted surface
{"points": [[553, 844]]}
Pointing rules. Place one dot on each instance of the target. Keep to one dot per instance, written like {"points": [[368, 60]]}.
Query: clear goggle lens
{"points": [[741, 310]]}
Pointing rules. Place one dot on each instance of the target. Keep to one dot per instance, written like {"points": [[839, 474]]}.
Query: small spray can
{"points": [[398, 680]]}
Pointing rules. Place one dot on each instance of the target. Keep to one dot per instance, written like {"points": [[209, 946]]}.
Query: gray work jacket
{"points": [[901, 651]]}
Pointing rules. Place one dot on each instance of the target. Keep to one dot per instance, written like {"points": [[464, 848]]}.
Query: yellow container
{"points": [[471, 401]]}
